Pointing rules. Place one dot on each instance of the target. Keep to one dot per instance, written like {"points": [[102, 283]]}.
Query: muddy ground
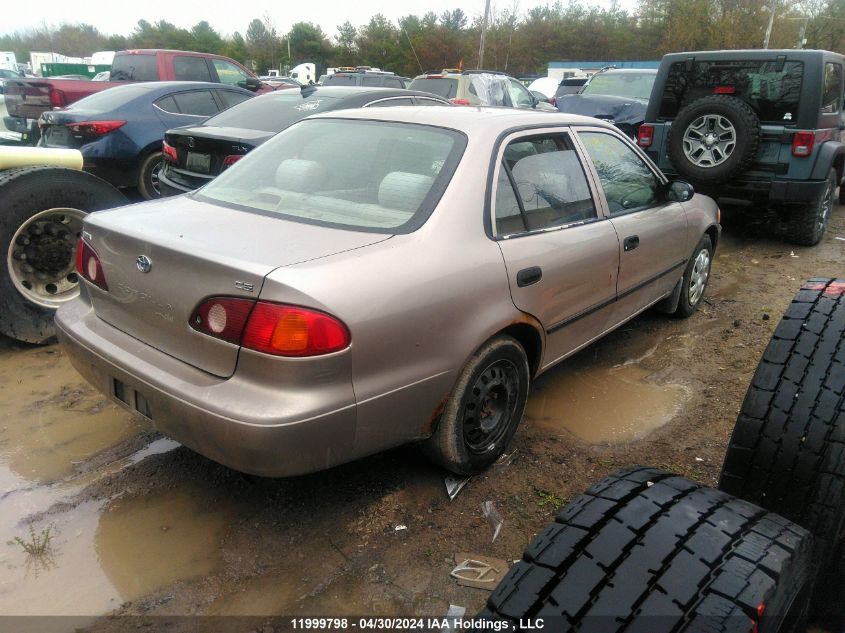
{"points": [[142, 530]]}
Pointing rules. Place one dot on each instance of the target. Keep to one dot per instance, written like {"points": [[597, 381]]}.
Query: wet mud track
{"points": [[136, 525]]}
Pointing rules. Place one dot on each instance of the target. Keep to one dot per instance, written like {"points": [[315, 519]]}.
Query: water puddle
{"points": [[603, 405]]}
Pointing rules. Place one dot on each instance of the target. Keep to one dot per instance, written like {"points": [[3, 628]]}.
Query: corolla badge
{"points": [[144, 263]]}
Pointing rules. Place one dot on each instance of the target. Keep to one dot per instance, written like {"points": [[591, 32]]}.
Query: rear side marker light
{"points": [[169, 152], [89, 266], [645, 135], [802, 144], [271, 328], [460, 101], [724, 90]]}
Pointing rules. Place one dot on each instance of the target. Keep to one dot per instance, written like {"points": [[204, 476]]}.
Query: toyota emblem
{"points": [[143, 263]]}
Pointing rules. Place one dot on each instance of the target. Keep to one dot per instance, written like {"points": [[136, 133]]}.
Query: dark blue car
{"points": [[119, 130]]}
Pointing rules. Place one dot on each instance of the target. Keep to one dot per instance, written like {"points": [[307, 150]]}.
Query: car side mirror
{"points": [[679, 191], [251, 83]]}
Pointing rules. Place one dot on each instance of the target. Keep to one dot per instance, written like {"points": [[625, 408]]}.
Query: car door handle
{"points": [[528, 276], [630, 243]]}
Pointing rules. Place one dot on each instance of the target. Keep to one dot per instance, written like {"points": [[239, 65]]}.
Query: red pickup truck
{"points": [[26, 99]]}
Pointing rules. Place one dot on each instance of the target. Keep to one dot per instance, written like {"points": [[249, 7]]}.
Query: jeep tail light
{"points": [[93, 128], [724, 90], [270, 328], [460, 101], [222, 317], [645, 135], [89, 266], [802, 143], [285, 330], [169, 152], [231, 160]]}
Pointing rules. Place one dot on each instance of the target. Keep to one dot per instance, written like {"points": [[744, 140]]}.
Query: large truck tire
{"points": [[41, 212], [648, 551], [787, 451]]}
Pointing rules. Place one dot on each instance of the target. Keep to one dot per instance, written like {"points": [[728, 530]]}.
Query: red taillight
{"points": [[94, 128], [57, 98], [222, 317], [460, 101], [724, 90], [802, 144], [645, 135], [271, 328], [231, 160], [169, 152], [89, 266]]}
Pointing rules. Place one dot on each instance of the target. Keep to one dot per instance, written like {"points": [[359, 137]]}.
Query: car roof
{"points": [[626, 71], [166, 86], [752, 54], [468, 119], [340, 92]]}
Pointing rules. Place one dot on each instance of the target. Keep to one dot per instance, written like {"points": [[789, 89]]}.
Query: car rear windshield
{"points": [[445, 87], [772, 89], [134, 67], [631, 85], [340, 80], [273, 112], [110, 99], [370, 176]]}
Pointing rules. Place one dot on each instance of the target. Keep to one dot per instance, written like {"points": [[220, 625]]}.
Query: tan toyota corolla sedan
{"points": [[374, 277]]}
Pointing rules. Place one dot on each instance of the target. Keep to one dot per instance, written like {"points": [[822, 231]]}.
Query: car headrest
{"points": [[403, 190], [303, 176]]}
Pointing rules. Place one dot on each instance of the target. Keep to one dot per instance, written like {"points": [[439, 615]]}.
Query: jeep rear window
{"points": [[771, 91], [446, 88], [134, 67]]}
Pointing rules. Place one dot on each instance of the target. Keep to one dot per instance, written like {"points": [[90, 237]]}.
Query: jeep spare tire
{"points": [[41, 212], [713, 139], [645, 550]]}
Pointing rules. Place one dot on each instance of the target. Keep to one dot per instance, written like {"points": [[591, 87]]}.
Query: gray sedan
{"points": [[370, 278]]}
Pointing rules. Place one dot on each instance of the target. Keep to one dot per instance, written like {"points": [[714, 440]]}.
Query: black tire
{"points": [[842, 194], [644, 550], [692, 285], [736, 157], [148, 174], [25, 192], [806, 225], [787, 451], [496, 377]]}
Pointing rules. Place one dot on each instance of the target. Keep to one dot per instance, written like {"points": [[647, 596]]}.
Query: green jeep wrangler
{"points": [[754, 127]]}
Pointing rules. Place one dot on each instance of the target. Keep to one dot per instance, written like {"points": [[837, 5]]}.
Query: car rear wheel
{"points": [[696, 276], [148, 176], [40, 223], [645, 550], [806, 225], [787, 451], [713, 139], [484, 409]]}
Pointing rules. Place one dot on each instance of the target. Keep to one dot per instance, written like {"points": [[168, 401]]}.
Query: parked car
{"points": [[365, 78], [194, 155], [478, 87], [372, 277], [757, 128], [27, 99], [545, 86], [120, 131], [618, 95], [569, 86]]}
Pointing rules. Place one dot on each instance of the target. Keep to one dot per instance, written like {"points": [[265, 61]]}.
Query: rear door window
{"points": [[541, 184], [771, 88], [189, 68], [196, 102], [230, 97]]}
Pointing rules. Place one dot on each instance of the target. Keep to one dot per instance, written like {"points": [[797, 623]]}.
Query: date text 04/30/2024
{"points": [[412, 624]]}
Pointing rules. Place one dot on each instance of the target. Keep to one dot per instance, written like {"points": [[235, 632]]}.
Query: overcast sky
{"points": [[228, 17]]}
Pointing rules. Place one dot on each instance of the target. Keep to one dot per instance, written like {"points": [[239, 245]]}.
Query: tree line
{"points": [[520, 43]]}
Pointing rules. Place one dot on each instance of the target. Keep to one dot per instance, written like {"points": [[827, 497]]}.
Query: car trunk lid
{"points": [[195, 250]]}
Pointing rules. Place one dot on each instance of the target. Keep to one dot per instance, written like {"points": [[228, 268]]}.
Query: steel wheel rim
{"points": [[489, 406], [699, 275], [709, 140], [41, 257]]}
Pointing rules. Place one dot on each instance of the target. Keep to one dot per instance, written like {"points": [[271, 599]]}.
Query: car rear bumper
{"points": [[264, 429], [767, 192], [173, 182]]}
